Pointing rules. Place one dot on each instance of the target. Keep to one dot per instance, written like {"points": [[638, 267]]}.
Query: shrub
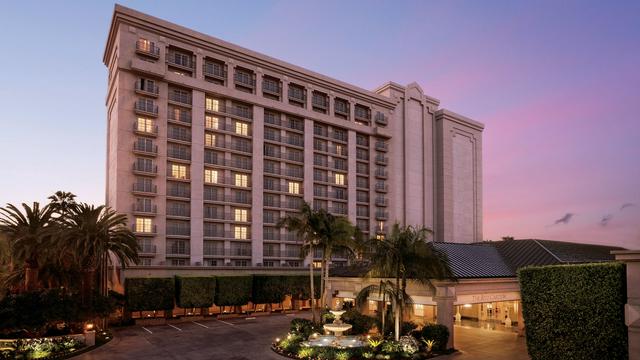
{"points": [[233, 290], [407, 327], [304, 327], [409, 344], [149, 294], [575, 311], [195, 292], [268, 289], [437, 332], [391, 347], [291, 343], [305, 353], [298, 286], [361, 323], [326, 353], [343, 355], [326, 317]]}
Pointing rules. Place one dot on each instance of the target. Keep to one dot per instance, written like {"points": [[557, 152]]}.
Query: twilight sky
{"points": [[557, 85]]}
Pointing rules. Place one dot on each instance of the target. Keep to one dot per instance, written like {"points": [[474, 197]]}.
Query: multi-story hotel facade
{"points": [[210, 144]]}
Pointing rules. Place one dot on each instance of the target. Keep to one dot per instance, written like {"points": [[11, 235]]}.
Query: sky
{"points": [[556, 83]]}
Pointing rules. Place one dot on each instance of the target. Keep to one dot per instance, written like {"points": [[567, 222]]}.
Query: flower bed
{"points": [[41, 348]]}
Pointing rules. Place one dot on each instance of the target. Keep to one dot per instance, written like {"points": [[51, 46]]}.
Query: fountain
{"points": [[337, 339]]}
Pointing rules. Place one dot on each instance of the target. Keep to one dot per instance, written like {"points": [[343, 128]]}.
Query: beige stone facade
{"points": [[209, 144]]}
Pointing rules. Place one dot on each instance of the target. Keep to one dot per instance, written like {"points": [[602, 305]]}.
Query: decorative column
{"points": [[444, 298], [520, 320], [632, 308], [257, 186]]}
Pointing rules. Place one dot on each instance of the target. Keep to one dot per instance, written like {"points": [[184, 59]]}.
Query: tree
{"points": [[307, 225], [95, 235], [62, 202], [30, 237], [506, 238], [405, 254], [385, 291]]}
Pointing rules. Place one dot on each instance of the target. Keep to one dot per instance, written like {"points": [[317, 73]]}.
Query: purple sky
{"points": [[556, 84]]}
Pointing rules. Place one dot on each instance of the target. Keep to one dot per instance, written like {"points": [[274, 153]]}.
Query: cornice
{"points": [[444, 114]]}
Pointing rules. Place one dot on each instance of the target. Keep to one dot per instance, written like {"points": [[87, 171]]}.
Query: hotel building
{"points": [[209, 144]]}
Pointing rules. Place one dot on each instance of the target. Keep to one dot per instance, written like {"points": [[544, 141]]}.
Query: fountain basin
{"points": [[333, 341], [337, 329]]}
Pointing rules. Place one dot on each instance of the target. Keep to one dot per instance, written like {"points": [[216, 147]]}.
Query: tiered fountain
{"points": [[337, 339]]}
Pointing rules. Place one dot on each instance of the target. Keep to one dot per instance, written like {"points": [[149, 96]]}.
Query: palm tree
{"points": [[406, 254], [30, 237], [62, 202], [385, 291], [96, 234], [307, 225]]}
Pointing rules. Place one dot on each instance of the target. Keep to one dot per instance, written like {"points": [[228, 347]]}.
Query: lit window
{"points": [[209, 139], [242, 128], [373, 305], [240, 214], [240, 232], [339, 149], [294, 187], [380, 237], [242, 180], [145, 125], [418, 309], [178, 171], [212, 104], [339, 179], [211, 122], [143, 225], [210, 176], [144, 44]]}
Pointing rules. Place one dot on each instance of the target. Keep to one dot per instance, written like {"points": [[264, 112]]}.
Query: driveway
{"points": [[478, 343], [233, 339]]}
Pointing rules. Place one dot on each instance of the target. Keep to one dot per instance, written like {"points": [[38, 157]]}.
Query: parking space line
{"points": [[175, 327], [197, 323], [250, 318], [228, 323], [147, 330]]}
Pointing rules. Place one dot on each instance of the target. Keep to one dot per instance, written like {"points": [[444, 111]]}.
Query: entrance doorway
{"points": [[497, 315]]}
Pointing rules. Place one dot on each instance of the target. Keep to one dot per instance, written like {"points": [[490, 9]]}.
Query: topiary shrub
{"points": [[298, 286], [149, 294], [437, 332], [269, 289], [233, 290], [195, 292], [361, 323], [575, 311], [407, 327]]}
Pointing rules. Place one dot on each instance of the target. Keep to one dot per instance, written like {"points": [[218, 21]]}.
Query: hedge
{"points": [[298, 286], [233, 290], [574, 311], [195, 292], [148, 294], [437, 332], [269, 289]]}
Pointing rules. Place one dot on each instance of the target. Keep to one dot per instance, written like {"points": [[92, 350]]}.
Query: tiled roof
{"points": [[475, 260]]}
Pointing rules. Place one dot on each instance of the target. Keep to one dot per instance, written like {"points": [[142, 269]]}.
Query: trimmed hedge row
{"points": [[148, 294], [575, 311]]}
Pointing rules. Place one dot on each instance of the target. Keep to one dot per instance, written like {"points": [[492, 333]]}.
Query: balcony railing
{"points": [[381, 174], [146, 107], [320, 101], [180, 116], [213, 69], [178, 250], [145, 208], [381, 160], [145, 129], [244, 252], [273, 119], [150, 169], [271, 87], [151, 189], [178, 192], [381, 201], [270, 252], [297, 94], [382, 215], [145, 148], [213, 251], [382, 146], [148, 249], [144, 230], [241, 112], [147, 48], [362, 113], [382, 188], [180, 59], [180, 97], [381, 119], [147, 88], [244, 79]]}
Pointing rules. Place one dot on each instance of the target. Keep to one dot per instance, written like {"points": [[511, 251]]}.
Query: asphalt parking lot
{"points": [[233, 339]]}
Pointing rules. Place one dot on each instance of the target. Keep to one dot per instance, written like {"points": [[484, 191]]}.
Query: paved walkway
{"points": [[240, 339], [478, 343]]}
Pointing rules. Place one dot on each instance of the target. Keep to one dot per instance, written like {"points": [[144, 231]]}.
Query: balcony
{"points": [[271, 87], [339, 136], [179, 193], [143, 128], [180, 97], [183, 117], [381, 174], [382, 188], [180, 60], [179, 154], [240, 252], [297, 94], [295, 173], [320, 102], [147, 48], [293, 156], [243, 112], [149, 231], [380, 201], [342, 108], [362, 113], [244, 79], [145, 149], [382, 215], [273, 119], [295, 141], [214, 70], [270, 252], [147, 250], [382, 146], [178, 250], [146, 107], [213, 251], [146, 209], [147, 88], [145, 169], [381, 119], [145, 189], [245, 200], [381, 160], [338, 210]]}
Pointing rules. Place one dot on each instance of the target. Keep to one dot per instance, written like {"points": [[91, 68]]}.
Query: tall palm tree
{"points": [[30, 237], [307, 225], [96, 234], [62, 202], [385, 291], [406, 254]]}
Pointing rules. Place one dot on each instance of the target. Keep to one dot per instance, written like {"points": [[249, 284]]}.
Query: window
{"points": [[211, 122], [339, 179], [339, 149], [242, 180], [418, 309], [211, 176], [240, 214], [145, 125], [240, 232], [294, 187], [178, 171], [242, 128], [209, 139], [373, 305], [212, 104], [145, 45], [143, 225]]}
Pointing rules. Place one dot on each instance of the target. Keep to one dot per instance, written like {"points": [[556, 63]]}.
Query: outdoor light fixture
{"points": [[88, 327], [467, 305]]}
